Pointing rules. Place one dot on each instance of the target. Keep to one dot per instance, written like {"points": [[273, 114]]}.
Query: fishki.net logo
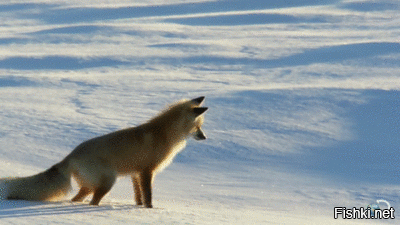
{"points": [[371, 211]]}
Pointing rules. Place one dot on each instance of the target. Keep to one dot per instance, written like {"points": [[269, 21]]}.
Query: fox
{"points": [[140, 152]]}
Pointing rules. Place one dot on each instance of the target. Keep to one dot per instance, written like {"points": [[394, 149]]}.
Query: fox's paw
{"points": [[148, 206]]}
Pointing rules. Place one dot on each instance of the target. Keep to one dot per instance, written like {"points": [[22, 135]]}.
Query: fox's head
{"points": [[184, 118]]}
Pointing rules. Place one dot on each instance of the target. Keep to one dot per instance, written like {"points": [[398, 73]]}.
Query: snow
{"points": [[303, 97]]}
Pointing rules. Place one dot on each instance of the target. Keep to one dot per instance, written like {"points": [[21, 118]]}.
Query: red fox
{"points": [[139, 152]]}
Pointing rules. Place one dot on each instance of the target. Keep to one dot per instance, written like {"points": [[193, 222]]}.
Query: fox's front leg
{"points": [[145, 180], [136, 188]]}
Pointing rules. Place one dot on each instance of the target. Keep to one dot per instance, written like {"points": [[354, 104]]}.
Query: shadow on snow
{"points": [[78, 15], [331, 54], [345, 135], [18, 208], [246, 19], [13, 81], [56, 14], [373, 156], [80, 29], [58, 63], [370, 6]]}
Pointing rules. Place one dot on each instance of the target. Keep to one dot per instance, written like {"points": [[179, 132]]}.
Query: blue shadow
{"points": [[12, 81], [180, 46], [80, 29], [247, 19], [371, 156], [78, 15], [374, 156], [57, 63], [15, 7], [370, 6], [331, 54], [7, 41]]}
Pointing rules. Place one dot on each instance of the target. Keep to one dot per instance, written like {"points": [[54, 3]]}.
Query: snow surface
{"points": [[304, 100]]}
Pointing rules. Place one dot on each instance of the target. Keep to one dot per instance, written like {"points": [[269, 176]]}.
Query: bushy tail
{"points": [[49, 185]]}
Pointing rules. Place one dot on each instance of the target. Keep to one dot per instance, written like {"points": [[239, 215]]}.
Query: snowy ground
{"points": [[304, 100]]}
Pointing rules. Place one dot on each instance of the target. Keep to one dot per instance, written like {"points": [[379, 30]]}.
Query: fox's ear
{"points": [[199, 110], [198, 100]]}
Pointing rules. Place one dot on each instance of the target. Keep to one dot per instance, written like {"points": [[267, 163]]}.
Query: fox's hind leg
{"points": [[104, 187], [83, 192], [136, 188]]}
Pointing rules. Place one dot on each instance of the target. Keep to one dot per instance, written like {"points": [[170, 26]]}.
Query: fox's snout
{"points": [[199, 135]]}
